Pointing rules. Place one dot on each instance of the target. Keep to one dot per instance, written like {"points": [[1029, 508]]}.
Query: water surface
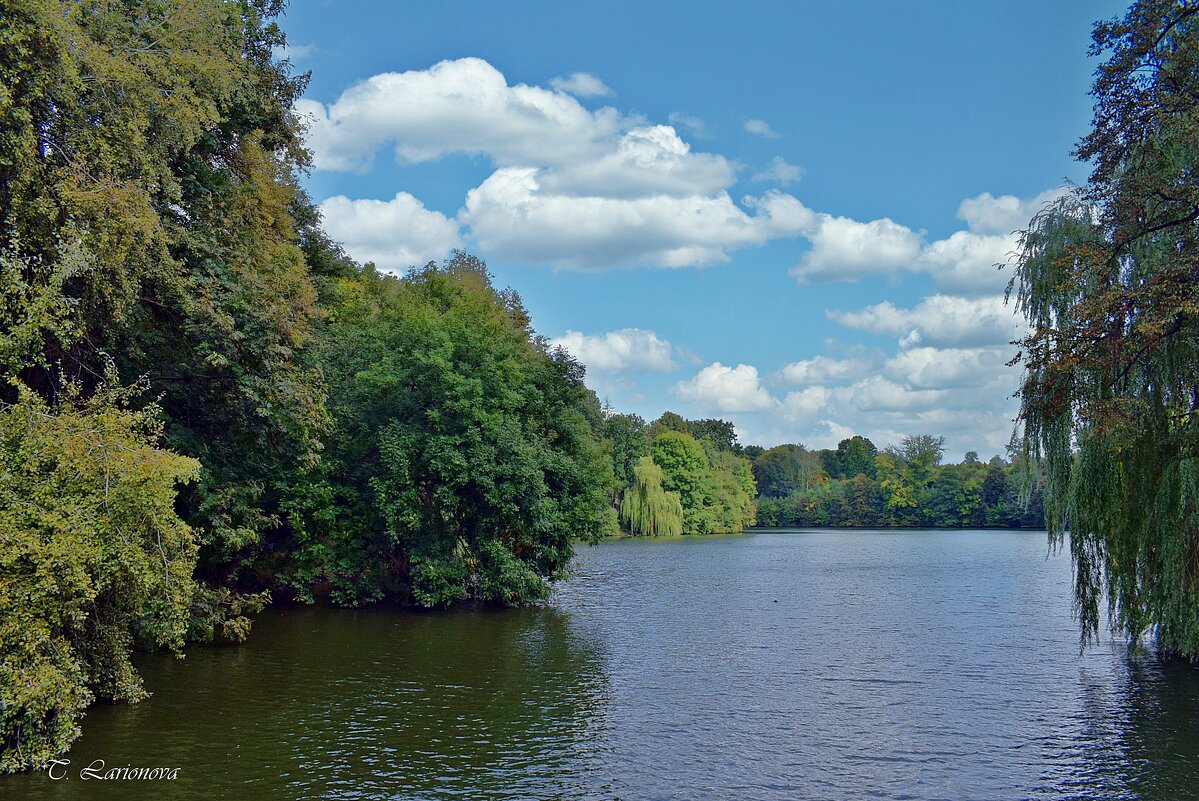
{"points": [[780, 665]]}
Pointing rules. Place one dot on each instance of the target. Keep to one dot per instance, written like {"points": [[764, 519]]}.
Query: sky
{"points": [[784, 214]]}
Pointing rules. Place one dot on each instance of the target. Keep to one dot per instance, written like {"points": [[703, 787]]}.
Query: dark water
{"points": [[822, 665]]}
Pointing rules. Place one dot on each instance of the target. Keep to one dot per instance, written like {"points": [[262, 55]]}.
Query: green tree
{"points": [[1106, 279], [786, 469], [148, 162], [921, 453], [685, 471], [627, 438], [464, 458], [716, 487], [856, 456], [722, 434], [93, 559], [648, 510]]}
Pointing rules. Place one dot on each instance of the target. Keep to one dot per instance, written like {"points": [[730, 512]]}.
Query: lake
{"points": [[772, 665]]}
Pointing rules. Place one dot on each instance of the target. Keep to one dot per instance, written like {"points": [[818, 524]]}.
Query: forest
{"points": [[206, 405], [678, 476]]}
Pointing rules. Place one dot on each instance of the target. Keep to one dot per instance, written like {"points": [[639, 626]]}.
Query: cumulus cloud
{"points": [[572, 188], [940, 320], [646, 162], [581, 84], [947, 368], [823, 369], [511, 217], [806, 403], [967, 262], [925, 391], [760, 128], [726, 389], [394, 234], [462, 106], [844, 249], [780, 172], [626, 350], [1002, 215]]}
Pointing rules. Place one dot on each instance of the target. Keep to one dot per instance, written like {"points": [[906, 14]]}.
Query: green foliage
{"points": [[717, 434], [93, 558], [147, 186], [853, 456], [900, 491], [627, 439], [647, 510], [716, 489], [464, 458], [787, 469], [1106, 278]]}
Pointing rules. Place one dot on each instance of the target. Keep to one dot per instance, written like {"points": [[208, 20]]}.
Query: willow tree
{"points": [[647, 509], [1107, 278]]}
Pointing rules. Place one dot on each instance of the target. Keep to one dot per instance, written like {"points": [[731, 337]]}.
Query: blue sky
{"points": [[783, 214]]}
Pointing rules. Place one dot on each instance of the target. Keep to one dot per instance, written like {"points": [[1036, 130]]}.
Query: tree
{"points": [[722, 434], [921, 453], [627, 439], [93, 559], [856, 456], [148, 165], [685, 471], [1110, 395], [464, 459], [647, 509], [148, 209], [786, 469]]}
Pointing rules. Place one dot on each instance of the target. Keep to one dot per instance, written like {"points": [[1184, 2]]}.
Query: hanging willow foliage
{"points": [[1108, 278], [648, 510]]}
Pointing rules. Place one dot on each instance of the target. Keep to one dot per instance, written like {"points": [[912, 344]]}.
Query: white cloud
{"points": [[974, 411], [512, 218], [646, 162], [462, 106], [806, 403], [760, 128], [967, 263], [581, 84], [847, 250], [823, 369], [940, 320], [572, 188], [780, 172], [947, 368], [727, 389], [626, 350], [394, 234], [1002, 215], [963, 393], [964, 263]]}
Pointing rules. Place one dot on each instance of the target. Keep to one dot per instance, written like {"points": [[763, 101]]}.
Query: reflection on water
{"points": [[921, 665], [366, 704]]}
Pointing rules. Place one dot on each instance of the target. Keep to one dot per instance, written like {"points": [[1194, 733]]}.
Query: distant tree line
{"points": [[906, 485], [678, 476]]}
